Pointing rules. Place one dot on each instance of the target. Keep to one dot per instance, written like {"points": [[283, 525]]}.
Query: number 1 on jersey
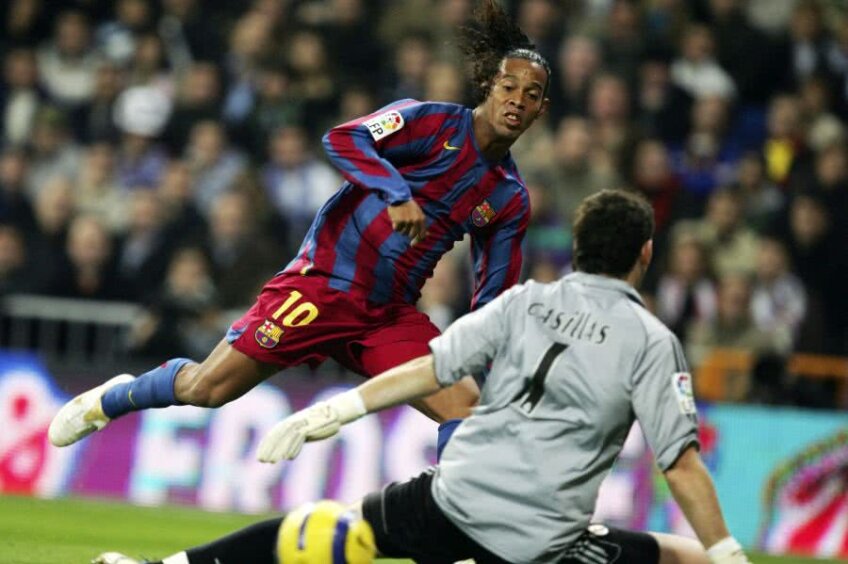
{"points": [[535, 387]]}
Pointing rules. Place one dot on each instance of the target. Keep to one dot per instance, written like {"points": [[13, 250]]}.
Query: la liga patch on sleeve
{"points": [[384, 124], [682, 384]]}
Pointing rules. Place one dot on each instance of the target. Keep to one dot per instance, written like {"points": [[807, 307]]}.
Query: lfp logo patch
{"points": [[268, 335], [483, 214], [384, 124], [682, 384]]}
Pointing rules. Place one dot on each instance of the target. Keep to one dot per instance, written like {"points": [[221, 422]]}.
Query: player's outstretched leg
{"points": [[225, 375], [255, 544]]}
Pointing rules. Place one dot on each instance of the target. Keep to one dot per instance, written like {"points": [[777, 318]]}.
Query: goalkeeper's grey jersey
{"points": [[572, 364]]}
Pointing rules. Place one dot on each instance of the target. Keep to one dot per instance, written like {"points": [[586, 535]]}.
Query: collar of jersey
{"points": [[606, 282]]}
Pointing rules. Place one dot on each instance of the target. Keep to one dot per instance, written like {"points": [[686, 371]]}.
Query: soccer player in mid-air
{"points": [[573, 364], [419, 176]]}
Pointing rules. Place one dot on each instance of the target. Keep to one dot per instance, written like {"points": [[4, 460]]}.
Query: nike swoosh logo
{"points": [[451, 148]]}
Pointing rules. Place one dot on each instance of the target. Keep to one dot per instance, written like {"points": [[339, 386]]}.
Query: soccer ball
{"points": [[325, 532]]}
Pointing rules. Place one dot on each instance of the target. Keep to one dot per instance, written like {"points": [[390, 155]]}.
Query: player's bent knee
{"points": [[675, 549]]}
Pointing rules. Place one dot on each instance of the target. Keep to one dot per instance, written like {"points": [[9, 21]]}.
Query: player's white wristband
{"points": [[348, 405], [727, 551]]}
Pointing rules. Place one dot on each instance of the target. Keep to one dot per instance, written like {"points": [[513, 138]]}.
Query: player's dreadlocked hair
{"points": [[491, 38]]}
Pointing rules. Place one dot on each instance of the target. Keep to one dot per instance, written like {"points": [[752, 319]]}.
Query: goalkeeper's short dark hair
{"points": [[610, 229]]}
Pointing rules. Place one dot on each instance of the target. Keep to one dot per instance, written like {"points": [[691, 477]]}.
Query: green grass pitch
{"points": [[72, 531]]}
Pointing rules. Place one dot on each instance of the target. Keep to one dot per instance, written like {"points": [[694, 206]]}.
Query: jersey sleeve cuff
{"points": [[670, 454], [446, 375]]}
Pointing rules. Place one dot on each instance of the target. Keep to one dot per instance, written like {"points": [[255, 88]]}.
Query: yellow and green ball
{"points": [[325, 532]]}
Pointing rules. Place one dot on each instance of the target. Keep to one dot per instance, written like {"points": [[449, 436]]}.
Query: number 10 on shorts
{"points": [[296, 314]]}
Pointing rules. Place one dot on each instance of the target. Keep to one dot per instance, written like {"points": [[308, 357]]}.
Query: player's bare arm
{"points": [[693, 489]]}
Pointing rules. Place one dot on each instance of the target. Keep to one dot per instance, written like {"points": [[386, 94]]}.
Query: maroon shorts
{"points": [[300, 319]]}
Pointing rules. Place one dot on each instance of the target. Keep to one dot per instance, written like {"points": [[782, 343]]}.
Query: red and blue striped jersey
{"points": [[424, 151]]}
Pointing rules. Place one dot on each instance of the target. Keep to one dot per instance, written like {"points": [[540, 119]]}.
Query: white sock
{"points": [[178, 558]]}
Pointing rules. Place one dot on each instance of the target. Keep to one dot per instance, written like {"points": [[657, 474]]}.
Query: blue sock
{"points": [[152, 389], [446, 430]]}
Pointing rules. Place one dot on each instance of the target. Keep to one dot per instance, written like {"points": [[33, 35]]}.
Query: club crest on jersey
{"points": [[483, 214], [268, 335], [384, 124], [682, 384]]}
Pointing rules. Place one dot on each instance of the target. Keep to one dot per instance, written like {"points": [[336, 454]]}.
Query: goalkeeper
{"points": [[573, 364]]}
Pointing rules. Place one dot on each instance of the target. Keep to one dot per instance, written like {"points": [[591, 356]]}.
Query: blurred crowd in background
{"points": [[167, 152]]}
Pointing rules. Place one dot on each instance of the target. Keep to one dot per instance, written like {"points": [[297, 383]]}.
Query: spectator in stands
{"points": [[52, 152], [25, 22], [67, 63], [250, 43], [579, 61], [141, 113], [189, 32], [215, 166], [733, 328], [651, 175], [785, 141], [87, 270], [609, 112], [349, 37], [540, 20], [804, 50], [311, 73], [576, 173], [762, 200], [819, 260], [731, 245], [54, 208], [149, 65], [15, 207], [97, 192], [276, 106], [696, 70], [548, 242], [661, 103], [14, 277], [183, 222], [831, 180], [409, 72], [778, 302], [296, 182], [116, 39], [625, 40], [708, 154], [743, 50], [444, 83], [183, 318], [838, 60], [242, 257], [357, 100], [144, 251], [685, 293], [94, 120], [20, 96], [817, 106], [198, 100]]}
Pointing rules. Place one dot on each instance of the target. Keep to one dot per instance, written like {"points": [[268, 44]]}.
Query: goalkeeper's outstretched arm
{"points": [[409, 381], [693, 489]]}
